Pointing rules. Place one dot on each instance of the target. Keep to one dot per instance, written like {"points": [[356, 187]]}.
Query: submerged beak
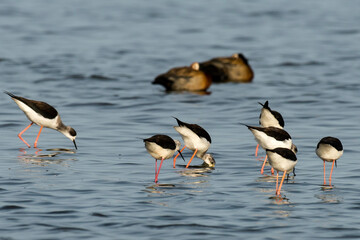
{"points": [[181, 155], [75, 144]]}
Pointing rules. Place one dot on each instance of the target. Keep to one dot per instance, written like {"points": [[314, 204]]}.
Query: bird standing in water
{"points": [[283, 160], [329, 149], [44, 115], [161, 147], [196, 139]]}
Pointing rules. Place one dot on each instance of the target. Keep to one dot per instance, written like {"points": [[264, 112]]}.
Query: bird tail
{"points": [[9, 93]]}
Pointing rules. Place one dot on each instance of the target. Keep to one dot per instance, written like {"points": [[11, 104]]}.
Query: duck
{"points": [[187, 78], [235, 68]]}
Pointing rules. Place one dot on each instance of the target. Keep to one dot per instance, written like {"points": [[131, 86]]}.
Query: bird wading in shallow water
{"points": [[282, 160], [269, 118], [271, 138], [196, 139], [329, 149], [161, 147], [44, 115]]}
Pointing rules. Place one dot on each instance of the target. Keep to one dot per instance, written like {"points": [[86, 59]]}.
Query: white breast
{"points": [[268, 120], [158, 152], [267, 142], [328, 152], [280, 163]]}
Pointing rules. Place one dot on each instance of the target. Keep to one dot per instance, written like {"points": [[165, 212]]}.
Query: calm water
{"points": [[94, 61]]}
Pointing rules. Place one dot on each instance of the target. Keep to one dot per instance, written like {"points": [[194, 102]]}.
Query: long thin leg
{"points": [[157, 175], [324, 174], [178, 155], [37, 138], [282, 180], [155, 168], [191, 158], [331, 172], [19, 135], [256, 150], [277, 181], [262, 168]]}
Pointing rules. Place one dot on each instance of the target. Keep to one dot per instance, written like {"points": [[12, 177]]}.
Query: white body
{"points": [[267, 142], [280, 163], [193, 141], [159, 152], [37, 118], [328, 153], [268, 120]]}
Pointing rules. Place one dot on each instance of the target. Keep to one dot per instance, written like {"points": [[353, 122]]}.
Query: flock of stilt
{"points": [[271, 135]]}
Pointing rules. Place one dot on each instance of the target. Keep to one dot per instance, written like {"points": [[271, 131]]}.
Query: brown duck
{"points": [[228, 69], [184, 79]]}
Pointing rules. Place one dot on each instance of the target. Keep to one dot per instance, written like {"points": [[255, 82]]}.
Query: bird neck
{"points": [[61, 127]]}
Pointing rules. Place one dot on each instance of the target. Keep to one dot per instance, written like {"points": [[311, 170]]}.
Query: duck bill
{"points": [[75, 144]]}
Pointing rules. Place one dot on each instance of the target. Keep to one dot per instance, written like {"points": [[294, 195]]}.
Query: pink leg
{"points": [[191, 158], [331, 172], [277, 181], [19, 135], [282, 180], [324, 174], [262, 168], [178, 155], [157, 175], [272, 171], [155, 167], [37, 138], [256, 150]]}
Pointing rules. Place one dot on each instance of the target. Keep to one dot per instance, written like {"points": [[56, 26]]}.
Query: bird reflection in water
{"points": [[197, 172], [329, 194], [48, 156]]}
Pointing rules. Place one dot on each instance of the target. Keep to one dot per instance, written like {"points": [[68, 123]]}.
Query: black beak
{"points": [[75, 144], [181, 155], [335, 163]]}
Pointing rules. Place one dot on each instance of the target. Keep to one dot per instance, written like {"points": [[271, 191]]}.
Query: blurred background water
{"points": [[95, 60]]}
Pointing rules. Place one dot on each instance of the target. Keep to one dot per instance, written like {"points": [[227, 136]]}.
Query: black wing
{"points": [[163, 141], [42, 108], [285, 153], [196, 129], [335, 142]]}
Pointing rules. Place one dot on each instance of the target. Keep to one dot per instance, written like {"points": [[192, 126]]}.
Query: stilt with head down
{"points": [[283, 160], [269, 118], [196, 139], [44, 115], [161, 147], [271, 138], [329, 149]]}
